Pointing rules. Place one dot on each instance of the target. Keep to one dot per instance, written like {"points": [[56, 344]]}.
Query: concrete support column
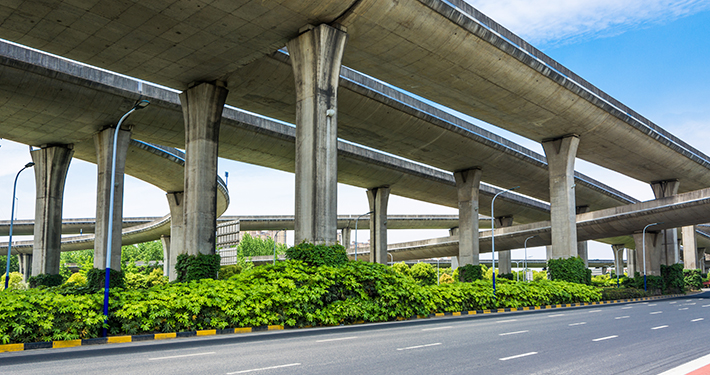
{"points": [[701, 259], [316, 57], [618, 258], [690, 248], [174, 244], [504, 261], [202, 106], [582, 248], [631, 262], [561, 154], [454, 260], [548, 252], [378, 198], [652, 251], [467, 184], [670, 253], [25, 266], [346, 235], [103, 142], [51, 166]]}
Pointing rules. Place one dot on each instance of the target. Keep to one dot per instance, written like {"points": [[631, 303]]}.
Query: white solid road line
{"points": [[419, 346], [659, 327], [606, 338], [689, 367], [338, 339], [577, 324], [656, 312], [621, 317], [512, 333], [697, 320], [517, 356], [179, 356], [437, 328], [706, 305], [264, 368]]}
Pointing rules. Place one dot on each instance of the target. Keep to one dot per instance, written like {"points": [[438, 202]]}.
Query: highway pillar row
{"points": [[631, 267], [103, 142], [670, 253], [467, 186], [560, 154], [652, 252], [25, 261], [202, 106], [51, 166], [174, 244], [378, 198], [618, 258], [316, 57], [691, 259], [582, 248], [345, 234], [504, 257]]}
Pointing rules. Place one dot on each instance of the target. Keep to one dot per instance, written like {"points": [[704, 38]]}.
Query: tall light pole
{"points": [[9, 242], [358, 218], [643, 241], [493, 237], [141, 104], [526, 258]]}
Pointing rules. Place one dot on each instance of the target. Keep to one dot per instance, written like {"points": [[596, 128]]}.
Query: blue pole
{"points": [[9, 242]]}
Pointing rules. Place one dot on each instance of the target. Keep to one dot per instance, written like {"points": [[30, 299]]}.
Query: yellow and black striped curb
{"points": [[210, 332]]}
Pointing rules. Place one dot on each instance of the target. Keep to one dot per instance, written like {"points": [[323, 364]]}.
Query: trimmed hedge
{"points": [[623, 293], [470, 273], [197, 267], [318, 255], [571, 269], [45, 279], [672, 275]]}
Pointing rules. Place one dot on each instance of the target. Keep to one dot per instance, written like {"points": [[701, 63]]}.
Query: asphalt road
{"points": [[634, 338]]}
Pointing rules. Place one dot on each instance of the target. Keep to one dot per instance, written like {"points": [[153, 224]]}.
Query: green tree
{"points": [[254, 246], [14, 263], [142, 252]]}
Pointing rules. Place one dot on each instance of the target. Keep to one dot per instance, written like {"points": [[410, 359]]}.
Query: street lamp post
{"points": [[358, 218], [493, 237], [9, 241], [526, 258], [141, 104], [643, 242]]}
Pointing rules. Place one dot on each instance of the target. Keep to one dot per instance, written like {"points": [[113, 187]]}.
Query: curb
{"points": [[226, 331]]}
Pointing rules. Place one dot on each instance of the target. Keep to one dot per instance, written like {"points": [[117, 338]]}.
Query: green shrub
{"points": [[401, 268], [318, 255], [225, 272], [138, 280], [96, 279], [423, 273], [571, 269], [507, 276], [672, 275], [623, 293], [15, 282], [46, 280], [76, 278], [446, 279], [470, 273], [197, 267], [693, 280]]}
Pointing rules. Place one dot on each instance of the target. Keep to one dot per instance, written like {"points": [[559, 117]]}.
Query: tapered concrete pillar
{"points": [[690, 248], [701, 259], [103, 142], [670, 253], [631, 266], [582, 248], [467, 185], [51, 166], [504, 261], [454, 260], [174, 244], [316, 57], [378, 198], [202, 106], [560, 154], [652, 253], [25, 261], [618, 259], [345, 234]]}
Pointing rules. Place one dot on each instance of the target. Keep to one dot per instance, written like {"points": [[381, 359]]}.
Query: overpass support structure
{"points": [[652, 252], [618, 258], [316, 58], [561, 153], [51, 166], [378, 199], [670, 253], [202, 106], [691, 256], [467, 186], [504, 257], [174, 244], [103, 142], [631, 265], [582, 248]]}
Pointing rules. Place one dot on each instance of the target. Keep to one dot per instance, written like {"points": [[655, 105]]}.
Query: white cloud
{"points": [[552, 22]]}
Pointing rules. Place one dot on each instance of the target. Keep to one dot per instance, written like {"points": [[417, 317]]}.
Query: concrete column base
{"points": [[691, 260], [504, 257], [582, 247], [701, 259], [346, 235], [618, 251], [467, 186], [175, 243], [51, 166], [378, 198], [652, 253], [25, 266], [631, 262]]}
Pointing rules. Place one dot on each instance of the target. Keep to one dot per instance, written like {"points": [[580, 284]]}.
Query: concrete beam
{"points": [[202, 106], [467, 186], [504, 256], [561, 154], [378, 199], [103, 143], [691, 260], [670, 253], [51, 166], [316, 57]]}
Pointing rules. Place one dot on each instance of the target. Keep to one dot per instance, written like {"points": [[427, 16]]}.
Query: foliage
{"points": [[45, 280], [507, 276], [15, 282], [14, 264], [654, 284], [141, 280], [401, 268], [142, 252], [470, 273], [571, 269], [672, 275], [254, 246], [445, 278], [96, 279], [623, 293], [318, 255], [196, 267], [423, 273], [692, 279], [225, 272], [76, 278], [608, 280]]}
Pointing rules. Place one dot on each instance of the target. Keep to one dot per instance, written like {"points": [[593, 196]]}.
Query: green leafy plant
{"points": [[401, 268], [693, 279], [470, 273], [96, 279], [318, 255], [77, 278], [46, 280], [673, 281], [570, 269], [424, 273], [15, 282], [197, 267]]}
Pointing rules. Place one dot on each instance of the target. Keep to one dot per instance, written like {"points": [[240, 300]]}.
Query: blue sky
{"points": [[652, 55]]}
